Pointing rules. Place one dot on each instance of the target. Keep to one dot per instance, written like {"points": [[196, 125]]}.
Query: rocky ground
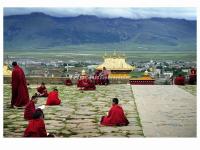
{"points": [[79, 114]]}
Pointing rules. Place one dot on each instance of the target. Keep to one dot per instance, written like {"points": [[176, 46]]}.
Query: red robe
{"points": [[193, 76], [35, 128], [104, 77], [179, 80], [29, 110], [42, 91], [86, 84], [97, 80], [68, 82], [20, 95], [115, 117], [53, 99]]}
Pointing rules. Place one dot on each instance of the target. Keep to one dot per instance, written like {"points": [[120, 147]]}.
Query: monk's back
{"points": [[36, 128], [53, 99], [117, 115]]}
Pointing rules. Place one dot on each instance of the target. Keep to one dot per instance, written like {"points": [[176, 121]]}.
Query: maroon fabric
{"points": [[20, 95], [53, 98], [68, 82], [42, 91], [193, 71], [179, 80], [97, 80], [35, 128], [86, 84], [115, 117], [29, 110], [192, 79]]}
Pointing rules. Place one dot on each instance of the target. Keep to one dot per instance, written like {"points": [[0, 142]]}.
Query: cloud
{"points": [[134, 13]]}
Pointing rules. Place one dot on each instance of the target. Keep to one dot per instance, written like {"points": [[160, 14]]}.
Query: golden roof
{"points": [[6, 71], [143, 78], [115, 62]]}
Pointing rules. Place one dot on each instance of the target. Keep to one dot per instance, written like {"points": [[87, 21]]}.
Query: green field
{"points": [[97, 55]]}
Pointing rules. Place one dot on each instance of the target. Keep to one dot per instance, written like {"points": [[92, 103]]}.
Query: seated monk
{"points": [[104, 76], [84, 83], [30, 108], [180, 80], [42, 90], [53, 98], [68, 81], [116, 116], [97, 80], [36, 126]]}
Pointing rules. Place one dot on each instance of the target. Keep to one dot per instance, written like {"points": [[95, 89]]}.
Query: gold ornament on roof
{"points": [[83, 72]]}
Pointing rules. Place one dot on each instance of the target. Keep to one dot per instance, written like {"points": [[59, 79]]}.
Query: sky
{"points": [[133, 13]]}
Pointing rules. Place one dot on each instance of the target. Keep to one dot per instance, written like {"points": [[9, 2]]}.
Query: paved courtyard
{"points": [[152, 110], [79, 114], [167, 110]]}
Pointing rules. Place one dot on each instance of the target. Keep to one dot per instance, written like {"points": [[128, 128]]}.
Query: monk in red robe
{"points": [[97, 80], [42, 90], [30, 108], [116, 116], [68, 81], [104, 76], [193, 77], [36, 126], [53, 98], [20, 95], [180, 80], [84, 83]]}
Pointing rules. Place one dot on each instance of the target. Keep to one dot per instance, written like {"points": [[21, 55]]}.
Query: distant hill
{"points": [[38, 31]]}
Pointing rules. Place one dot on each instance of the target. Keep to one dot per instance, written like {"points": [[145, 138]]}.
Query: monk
{"points": [[42, 90], [180, 80], [97, 78], [84, 83], [20, 95], [193, 77], [68, 81], [116, 116], [104, 76], [30, 108], [53, 98], [36, 126]]}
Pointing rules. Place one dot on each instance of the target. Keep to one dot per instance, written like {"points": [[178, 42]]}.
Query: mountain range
{"points": [[42, 32]]}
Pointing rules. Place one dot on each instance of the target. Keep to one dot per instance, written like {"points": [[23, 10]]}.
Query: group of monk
{"points": [[89, 83], [35, 116], [181, 80]]}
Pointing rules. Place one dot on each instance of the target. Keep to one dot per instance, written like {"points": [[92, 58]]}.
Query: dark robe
{"points": [[20, 95], [104, 77], [193, 77], [86, 84], [115, 117], [29, 110], [35, 128], [97, 80], [42, 91], [179, 80], [68, 82], [53, 98]]}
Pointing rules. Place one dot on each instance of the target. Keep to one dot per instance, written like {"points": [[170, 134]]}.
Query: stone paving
{"points": [[79, 114], [166, 111]]}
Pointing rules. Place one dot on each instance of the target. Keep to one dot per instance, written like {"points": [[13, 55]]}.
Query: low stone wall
{"points": [[58, 80]]}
